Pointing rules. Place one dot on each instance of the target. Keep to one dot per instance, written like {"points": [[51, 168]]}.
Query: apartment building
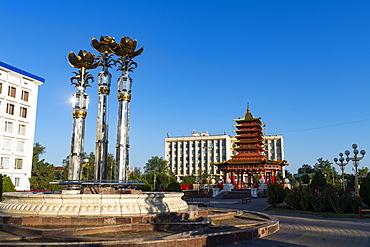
{"points": [[190, 155], [18, 103], [274, 147]]}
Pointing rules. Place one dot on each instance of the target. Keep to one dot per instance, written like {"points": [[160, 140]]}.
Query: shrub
{"points": [[306, 201], [317, 200], [275, 194], [293, 199]]}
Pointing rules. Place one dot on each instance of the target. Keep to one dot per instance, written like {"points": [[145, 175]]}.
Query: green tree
{"points": [[6, 185], [365, 190], [156, 164], [42, 172], [88, 167], [111, 164], [318, 179], [188, 179], [275, 194], [326, 168], [157, 173], [362, 173], [306, 169], [203, 177]]}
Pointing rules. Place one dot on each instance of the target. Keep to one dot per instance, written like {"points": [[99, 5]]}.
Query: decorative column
{"points": [[105, 48], [84, 61], [125, 50]]}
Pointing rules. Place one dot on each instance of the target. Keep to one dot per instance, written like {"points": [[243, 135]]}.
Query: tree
{"points": [[6, 185], [326, 168], [42, 172], [188, 179], [362, 173], [318, 179], [156, 164], [202, 177], [88, 167], [275, 194], [306, 169], [365, 190]]}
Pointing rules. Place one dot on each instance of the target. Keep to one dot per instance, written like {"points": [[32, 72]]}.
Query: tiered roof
{"points": [[249, 147]]}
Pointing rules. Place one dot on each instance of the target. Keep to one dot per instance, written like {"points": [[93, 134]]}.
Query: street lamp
{"points": [[342, 164], [355, 159]]}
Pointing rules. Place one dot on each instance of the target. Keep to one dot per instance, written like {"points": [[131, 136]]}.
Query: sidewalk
{"points": [[304, 230]]}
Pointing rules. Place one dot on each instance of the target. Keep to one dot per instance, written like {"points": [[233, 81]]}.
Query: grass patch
{"points": [[285, 208]]}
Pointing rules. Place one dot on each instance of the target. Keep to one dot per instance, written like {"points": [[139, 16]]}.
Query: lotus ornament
{"points": [[105, 45], [126, 48], [84, 59]]}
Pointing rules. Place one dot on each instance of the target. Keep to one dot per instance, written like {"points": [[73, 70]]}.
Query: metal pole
{"points": [[101, 144], [126, 51], [105, 47], [83, 62], [123, 126]]}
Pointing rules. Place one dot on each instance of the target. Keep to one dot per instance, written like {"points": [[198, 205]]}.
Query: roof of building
{"points": [[12, 68]]}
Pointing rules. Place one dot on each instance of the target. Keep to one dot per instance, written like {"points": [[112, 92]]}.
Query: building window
{"points": [[8, 128], [7, 144], [10, 109], [18, 164], [25, 95], [17, 182], [22, 129], [20, 146], [23, 112], [4, 163], [11, 91]]}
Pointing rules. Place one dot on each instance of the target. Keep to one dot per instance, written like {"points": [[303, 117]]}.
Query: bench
{"points": [[362, 211], [246, 199], [199, 199]]}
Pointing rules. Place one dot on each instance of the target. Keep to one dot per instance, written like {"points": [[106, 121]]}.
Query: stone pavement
{"points": [[304, 230]]}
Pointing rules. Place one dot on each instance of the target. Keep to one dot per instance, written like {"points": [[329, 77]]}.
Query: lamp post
{"points": [[342, 165], [356, 160]]}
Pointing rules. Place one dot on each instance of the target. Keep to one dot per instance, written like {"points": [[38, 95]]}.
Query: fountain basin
{"points": [[40, 204]]}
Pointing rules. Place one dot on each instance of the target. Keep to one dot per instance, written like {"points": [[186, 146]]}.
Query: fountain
{"points": [[99, 197]]}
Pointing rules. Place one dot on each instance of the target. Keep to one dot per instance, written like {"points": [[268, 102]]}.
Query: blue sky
{"points": [[304, 67]]}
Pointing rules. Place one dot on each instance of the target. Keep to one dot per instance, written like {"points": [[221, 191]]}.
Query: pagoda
{"points": [[249, 158]]}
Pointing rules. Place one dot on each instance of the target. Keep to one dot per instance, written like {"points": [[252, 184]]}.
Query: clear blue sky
{"points": [[304, 66]]}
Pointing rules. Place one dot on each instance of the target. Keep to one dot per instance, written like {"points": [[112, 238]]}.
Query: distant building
{"points": [[193, 154], [188, 155], [18, 102]]}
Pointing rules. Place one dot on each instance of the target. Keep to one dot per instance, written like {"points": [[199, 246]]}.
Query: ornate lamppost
{"points": [[356, 160], [342, 165], [84, 61], [125, 50], [105, 48]]}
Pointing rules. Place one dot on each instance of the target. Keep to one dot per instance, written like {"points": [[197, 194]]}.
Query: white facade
{"points": [[274, 147], [191, 154], [18, 102], [188, 155]]}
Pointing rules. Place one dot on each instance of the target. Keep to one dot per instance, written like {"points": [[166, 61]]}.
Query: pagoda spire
{"points": [[248, 115]]}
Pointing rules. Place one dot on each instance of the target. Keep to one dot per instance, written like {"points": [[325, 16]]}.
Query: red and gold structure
{"points": [[249, 158]]}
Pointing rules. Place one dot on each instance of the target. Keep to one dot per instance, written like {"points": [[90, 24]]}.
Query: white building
{"points": [[274, 147], [18, 102], [189, 154]]}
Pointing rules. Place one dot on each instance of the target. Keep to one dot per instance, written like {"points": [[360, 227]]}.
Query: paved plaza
{"points": [[305, 230]]}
